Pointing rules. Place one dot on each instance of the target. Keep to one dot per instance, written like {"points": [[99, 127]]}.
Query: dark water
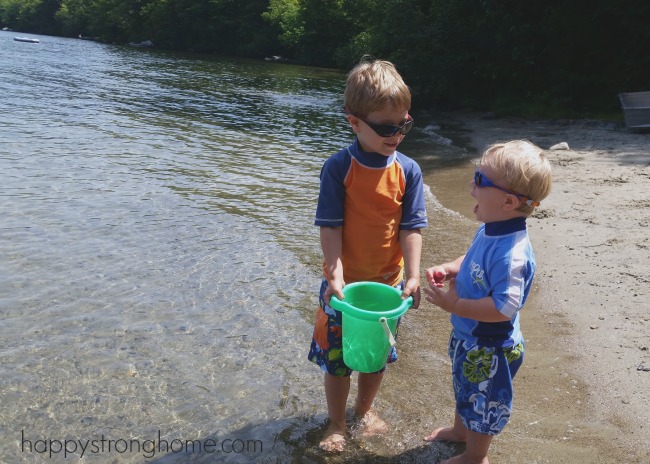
{"points": [[158, 262]]}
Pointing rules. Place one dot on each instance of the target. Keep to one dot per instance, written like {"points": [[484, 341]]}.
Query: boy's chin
{"points": [[387, 150], [477, 214]]}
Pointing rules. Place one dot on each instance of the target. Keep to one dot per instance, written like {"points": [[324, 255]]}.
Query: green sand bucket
{"points": [[370, 313]]}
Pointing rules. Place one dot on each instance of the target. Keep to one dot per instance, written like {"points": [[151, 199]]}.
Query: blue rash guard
{"points": [[500, 264]]}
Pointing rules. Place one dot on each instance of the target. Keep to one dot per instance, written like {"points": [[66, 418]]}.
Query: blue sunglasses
{"points": [[481, 180]]}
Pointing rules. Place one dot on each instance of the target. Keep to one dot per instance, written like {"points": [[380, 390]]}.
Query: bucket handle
{"points": [[389, 334]]}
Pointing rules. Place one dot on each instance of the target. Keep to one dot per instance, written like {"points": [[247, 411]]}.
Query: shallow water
{"points": [[159, 266]]}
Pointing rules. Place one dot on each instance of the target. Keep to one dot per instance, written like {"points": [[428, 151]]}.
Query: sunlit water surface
{"points": [[159, 264]]}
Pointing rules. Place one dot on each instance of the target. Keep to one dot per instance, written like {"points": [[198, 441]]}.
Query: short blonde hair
{"points": [[372, 85], [524, 167]]}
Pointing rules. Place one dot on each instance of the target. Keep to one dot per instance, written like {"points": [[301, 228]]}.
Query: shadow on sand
{"points": [[295, 441]]}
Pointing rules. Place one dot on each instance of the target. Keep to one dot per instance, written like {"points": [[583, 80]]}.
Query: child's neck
{"points": [[506, 226]]}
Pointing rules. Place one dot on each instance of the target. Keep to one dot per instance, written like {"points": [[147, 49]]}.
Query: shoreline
{"points": [[585, 389]]}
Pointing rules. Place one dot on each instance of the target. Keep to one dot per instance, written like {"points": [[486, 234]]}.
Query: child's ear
{"points": [[354, 122], [510, 202]]}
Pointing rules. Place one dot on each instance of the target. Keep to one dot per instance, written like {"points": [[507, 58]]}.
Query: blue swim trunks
{"points": [[327, 342], [482, 378]]}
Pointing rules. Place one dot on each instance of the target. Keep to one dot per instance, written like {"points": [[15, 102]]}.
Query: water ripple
{"points": [[159, 261]]}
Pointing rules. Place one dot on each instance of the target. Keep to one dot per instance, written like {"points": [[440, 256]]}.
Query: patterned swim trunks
{"points": [[327, 343], [482, 378]]}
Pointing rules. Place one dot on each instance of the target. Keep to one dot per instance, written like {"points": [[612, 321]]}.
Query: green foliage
{"points": [[72, 18], [312, 30], [548, 57], [285, 14], [29, 15], [228, 27]]}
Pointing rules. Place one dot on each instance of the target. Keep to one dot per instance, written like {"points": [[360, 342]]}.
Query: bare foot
{"points": [[461, 460], [370, 424], [334, 440], [446, 434]]}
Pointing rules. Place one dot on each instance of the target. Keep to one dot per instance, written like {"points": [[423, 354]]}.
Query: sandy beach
{"points": [[584, 395]]}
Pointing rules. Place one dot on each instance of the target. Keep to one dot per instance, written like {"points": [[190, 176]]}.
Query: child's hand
{"points": [[436, 276], [334, 287], [412, 288], [444, 300]]}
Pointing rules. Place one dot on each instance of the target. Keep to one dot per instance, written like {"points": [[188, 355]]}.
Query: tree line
{"points": [[562, 58]]}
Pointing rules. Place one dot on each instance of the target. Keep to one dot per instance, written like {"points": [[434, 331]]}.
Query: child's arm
{"points": [[437, 275], [483, 309], [331, 241], [411, 243]]}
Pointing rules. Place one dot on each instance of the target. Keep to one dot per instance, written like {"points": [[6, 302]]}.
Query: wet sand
{"points": [[583, 393]]}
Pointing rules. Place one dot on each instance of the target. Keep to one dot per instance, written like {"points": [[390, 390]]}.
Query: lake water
{"points": [[159, 266]]}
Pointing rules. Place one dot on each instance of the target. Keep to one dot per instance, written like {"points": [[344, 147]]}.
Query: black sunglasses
{"points": [[388, 130]]}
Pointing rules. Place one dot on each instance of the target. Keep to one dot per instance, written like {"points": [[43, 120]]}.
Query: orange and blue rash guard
{"points": [[372, 197]]}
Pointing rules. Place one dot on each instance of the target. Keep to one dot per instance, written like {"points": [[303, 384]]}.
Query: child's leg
{"points": [[368, 388], [326, 351], [369, 385], [336, 394], [457, 433], [483, 396], [476, 450]]}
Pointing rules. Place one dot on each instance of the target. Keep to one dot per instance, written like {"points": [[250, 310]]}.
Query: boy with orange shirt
{"points": [[370, 210]]}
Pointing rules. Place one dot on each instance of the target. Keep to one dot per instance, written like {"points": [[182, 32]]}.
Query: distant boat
{"points": [[26, 39]]}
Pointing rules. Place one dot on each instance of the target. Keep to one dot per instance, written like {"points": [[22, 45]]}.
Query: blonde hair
{"points": [[524, 168], [372, 85]]}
